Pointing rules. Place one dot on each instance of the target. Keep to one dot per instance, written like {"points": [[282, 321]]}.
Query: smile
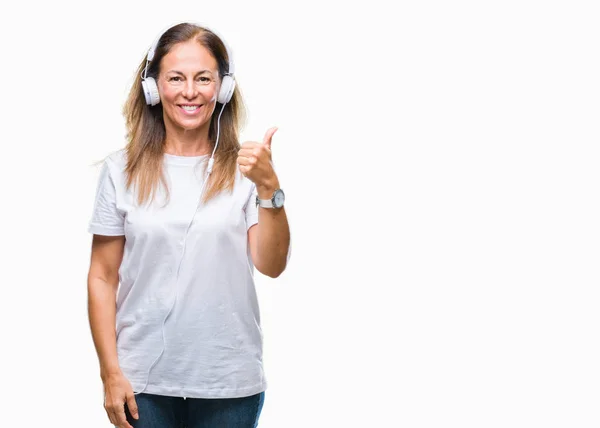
{"points": [[190, 109]]}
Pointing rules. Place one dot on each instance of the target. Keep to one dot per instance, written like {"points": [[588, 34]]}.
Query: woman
{"points": [[182, 216]]}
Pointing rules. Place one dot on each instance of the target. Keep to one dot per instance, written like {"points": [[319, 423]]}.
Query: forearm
{"points": [[102, 318], [273, 235]]}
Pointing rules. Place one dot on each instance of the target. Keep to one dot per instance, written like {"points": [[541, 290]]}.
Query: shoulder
{"points": [[113, 165], [117, 159], [116, 162]]}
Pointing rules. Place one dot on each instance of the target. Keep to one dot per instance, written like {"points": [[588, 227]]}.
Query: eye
{"points": [[204, 79], [174, 79]]}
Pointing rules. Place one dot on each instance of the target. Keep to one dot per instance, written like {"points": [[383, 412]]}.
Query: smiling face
{"points": [[188, 85]]}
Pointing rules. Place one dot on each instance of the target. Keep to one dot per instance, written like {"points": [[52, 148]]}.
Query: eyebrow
{"points": [[179, 72]]}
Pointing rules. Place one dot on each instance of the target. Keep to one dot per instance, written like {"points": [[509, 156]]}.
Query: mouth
{"points": [[189, 109]]}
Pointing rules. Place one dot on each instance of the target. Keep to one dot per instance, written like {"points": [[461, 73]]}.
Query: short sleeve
{"points": [[106, 218], [251, 209]]}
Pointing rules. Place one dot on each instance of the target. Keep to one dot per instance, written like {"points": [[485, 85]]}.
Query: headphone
{"points": [[152, 99], [151, 89]]}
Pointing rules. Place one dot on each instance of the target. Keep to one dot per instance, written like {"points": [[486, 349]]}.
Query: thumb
{"points": [[269, 136], [132, 406]]}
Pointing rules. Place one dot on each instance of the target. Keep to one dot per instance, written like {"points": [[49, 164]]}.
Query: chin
{"points": [[189, 124]]}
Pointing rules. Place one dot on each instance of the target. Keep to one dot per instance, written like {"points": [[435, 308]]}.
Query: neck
{"points": [[187, 142]]}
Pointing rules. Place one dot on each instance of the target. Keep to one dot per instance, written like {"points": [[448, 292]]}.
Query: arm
{"points": [[108, 245], [270, 239], [103, 281]]}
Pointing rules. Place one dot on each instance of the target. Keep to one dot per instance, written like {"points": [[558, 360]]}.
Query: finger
{"points": [[247, 161], [244, 169], [111, 417], [121, 418], [248, 152], [132, 406], [250, 145], [111, 414], [269, 136]]}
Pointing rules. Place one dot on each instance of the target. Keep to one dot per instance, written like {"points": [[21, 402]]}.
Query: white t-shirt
{"points": [[212, 334]]}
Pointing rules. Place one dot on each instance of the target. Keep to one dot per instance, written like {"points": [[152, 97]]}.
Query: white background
{"points": [[440, 161]]}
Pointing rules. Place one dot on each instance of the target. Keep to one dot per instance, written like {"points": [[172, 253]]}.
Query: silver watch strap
{"points": [[264, 203]]}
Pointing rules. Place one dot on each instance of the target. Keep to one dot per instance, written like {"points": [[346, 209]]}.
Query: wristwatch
{"points": [[276, 200]]}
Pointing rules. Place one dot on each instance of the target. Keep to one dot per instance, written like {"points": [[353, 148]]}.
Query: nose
{"points": [[189, 90]]}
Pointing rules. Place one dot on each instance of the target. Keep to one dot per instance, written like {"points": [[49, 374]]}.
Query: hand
{"points": [[254, 160], [117, 392]]}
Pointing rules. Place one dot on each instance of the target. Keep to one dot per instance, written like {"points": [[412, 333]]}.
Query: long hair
{"points": [[146, 129]]}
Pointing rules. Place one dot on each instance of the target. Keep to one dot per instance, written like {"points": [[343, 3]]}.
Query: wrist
{"points": [[105, 373], [265, 190]]}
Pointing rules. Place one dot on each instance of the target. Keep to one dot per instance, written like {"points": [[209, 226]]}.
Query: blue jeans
{"points": [[159, 411]]}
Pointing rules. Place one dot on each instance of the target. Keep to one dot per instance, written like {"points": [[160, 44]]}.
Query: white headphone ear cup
{"points": [[150, 91], [226, 91]]}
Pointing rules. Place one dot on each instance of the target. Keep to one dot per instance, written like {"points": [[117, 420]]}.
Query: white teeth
{"points": [[190, 108]]}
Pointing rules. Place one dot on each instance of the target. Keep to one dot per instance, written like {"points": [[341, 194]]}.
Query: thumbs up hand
{"points": [[254, 160]]}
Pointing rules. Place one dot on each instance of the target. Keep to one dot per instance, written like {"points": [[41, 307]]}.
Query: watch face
{"points": [[278, 198]]}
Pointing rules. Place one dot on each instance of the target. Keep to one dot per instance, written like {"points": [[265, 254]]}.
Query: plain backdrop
{"points": [[440, 162]]}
